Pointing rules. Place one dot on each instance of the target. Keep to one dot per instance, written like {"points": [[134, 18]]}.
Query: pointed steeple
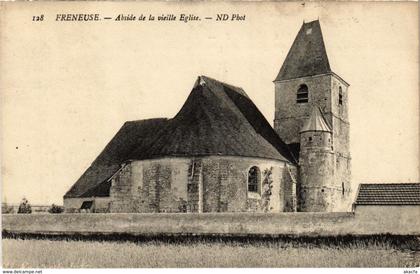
{"points": [[316, 122], [307, 56]]}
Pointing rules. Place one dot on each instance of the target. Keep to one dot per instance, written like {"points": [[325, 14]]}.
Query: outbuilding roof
{"points": [[389, 194], [216, 119]]}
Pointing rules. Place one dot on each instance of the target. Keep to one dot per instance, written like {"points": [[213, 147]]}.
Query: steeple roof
{"points": [[316, 122], [307, 56]]}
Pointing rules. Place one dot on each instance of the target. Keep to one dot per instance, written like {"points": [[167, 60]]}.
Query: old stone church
{"points": [[219, 153]]}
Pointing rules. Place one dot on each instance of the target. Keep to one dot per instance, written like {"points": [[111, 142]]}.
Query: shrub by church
{"points": [[219, 153]]}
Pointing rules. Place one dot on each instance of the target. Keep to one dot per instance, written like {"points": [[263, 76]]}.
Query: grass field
{"points": [[88, 253]]}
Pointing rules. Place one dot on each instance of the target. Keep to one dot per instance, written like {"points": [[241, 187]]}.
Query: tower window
{"points": [[342, 188], [310, 139], [340, 96], [254, 176], [302, 94]]}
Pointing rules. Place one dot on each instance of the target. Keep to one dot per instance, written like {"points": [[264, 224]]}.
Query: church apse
{"points": [[202, 184]]}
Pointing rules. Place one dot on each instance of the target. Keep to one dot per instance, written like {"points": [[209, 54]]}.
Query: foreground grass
{"points": [[65, 253]]}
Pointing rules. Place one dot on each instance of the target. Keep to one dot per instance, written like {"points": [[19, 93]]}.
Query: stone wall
{"points": [[342, 181], [341, 144], [323, 92], [205, 184], [289, 119], [317, 191], [337, 109], [289, 189], [340, 117], [392, 218], [150, 186], [289, 115], [367, 221]]}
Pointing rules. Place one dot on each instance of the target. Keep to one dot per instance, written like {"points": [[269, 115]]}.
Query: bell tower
{"points": [[305, 81]]}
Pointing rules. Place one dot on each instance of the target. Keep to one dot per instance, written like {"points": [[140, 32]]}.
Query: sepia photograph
{"points": [[210, 135]]}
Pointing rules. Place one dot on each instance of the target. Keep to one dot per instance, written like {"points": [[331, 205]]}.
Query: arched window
{"points": [[302, 94], [340, 96], [254, 176]]}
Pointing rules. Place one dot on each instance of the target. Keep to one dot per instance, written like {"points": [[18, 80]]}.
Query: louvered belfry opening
{"points": [[302, 95]]}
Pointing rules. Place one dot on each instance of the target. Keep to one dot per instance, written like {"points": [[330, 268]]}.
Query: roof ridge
{"points": [[310, 22], [237, 89], [221, 82], [147, 119]]}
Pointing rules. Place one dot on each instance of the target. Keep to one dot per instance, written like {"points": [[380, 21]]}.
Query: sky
{"points": [[67, 87]]}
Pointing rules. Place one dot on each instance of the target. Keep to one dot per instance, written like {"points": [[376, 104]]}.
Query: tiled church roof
{"points": [[307, 56], [216, 119], [133, 134], [389, 194]]}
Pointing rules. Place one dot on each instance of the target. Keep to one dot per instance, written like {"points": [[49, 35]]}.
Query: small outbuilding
{"points": [[396, 201]]}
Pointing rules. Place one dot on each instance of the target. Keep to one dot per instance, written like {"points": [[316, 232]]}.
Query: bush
{"points": [[6, 209], [25, 207], [55, 209]]}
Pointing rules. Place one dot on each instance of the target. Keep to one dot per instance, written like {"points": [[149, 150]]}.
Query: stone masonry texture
{"points": [[324, 169], [172, 185]]}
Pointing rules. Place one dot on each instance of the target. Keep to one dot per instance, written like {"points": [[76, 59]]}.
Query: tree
{"points": [[55, 209], [6, 209], [25, 207]]}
